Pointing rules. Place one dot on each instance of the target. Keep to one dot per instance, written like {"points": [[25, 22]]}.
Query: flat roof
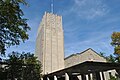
{"points": [[86, 68]]}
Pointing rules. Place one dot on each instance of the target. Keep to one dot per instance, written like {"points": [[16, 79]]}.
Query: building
{"points": [[50, 43], [87, 55], [88, 65]]}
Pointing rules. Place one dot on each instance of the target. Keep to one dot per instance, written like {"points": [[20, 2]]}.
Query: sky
{"points": [[86, 24]]}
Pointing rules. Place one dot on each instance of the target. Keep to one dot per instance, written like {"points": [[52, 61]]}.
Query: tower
{"points": [[50, 43]]}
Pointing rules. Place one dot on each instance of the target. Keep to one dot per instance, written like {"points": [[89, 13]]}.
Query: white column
{"points": [[107, 77], [101, 76], [55, 78], [66, 76], [41, 78], [79, 77], [86, 77], [91, 76], [48, 78]]}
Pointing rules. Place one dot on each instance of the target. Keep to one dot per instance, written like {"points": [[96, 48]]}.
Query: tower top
{"points": [[52, 6]]}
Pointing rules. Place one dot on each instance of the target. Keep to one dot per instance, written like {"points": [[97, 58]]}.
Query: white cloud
{"points": [[99, 43], [89, 9]]}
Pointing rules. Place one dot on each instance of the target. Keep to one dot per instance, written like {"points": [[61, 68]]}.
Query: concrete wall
{"points": [[50, 43]]}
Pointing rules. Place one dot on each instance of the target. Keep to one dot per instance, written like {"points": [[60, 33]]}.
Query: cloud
{"points": [[89, 9], [100, 43]]}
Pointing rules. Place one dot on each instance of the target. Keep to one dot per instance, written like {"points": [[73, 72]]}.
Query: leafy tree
{"points": [[2, 73], [22, 67], [111, 59], [14, 70], [116, 42], [13, 26], [32, 70], [113, 78], [102, 54]]}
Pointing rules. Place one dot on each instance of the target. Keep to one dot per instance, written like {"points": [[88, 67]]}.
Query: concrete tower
{"points": [[50, 43]]}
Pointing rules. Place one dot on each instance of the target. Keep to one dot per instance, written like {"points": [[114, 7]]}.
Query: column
{"points": [[102, 76], [87, 78], [66, 76], [107, 77], [91, 76], [55, 77], [79, 77], [41, 78], [48, 78]]}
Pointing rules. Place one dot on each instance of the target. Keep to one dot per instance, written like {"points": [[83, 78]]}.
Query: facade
{"points": [[50, 50], [89, 55], [50, 43]]}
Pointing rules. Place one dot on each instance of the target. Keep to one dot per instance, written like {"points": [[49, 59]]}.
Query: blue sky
{"points": [[86, 24]]}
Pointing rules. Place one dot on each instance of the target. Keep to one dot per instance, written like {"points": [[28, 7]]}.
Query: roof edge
{"points": [[83, 52]]}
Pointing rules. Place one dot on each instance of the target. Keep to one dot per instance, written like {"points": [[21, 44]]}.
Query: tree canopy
{"points": [[13, 30], [116, 42], [110, 58], [23, 66], [13, 26]]}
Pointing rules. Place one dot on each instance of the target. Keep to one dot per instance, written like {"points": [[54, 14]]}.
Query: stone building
{"points": [[50, 50], [50, 43], [88, 55]]}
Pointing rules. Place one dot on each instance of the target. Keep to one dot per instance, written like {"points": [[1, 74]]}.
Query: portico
{"points": [[83, 71]]}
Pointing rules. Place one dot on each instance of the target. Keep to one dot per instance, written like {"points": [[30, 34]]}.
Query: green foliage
{"points": [[111, 59], [102, 54], [112, 78], [115, 39], [116, 42], [117, 50], [23, 66], [13, 27]]}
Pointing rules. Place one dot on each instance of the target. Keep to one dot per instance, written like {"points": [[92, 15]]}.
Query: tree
{"points": [[116, 43], [111, 59], [113, 78], [33, 70], [23, 66], [13, 27], [102, 54]]}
